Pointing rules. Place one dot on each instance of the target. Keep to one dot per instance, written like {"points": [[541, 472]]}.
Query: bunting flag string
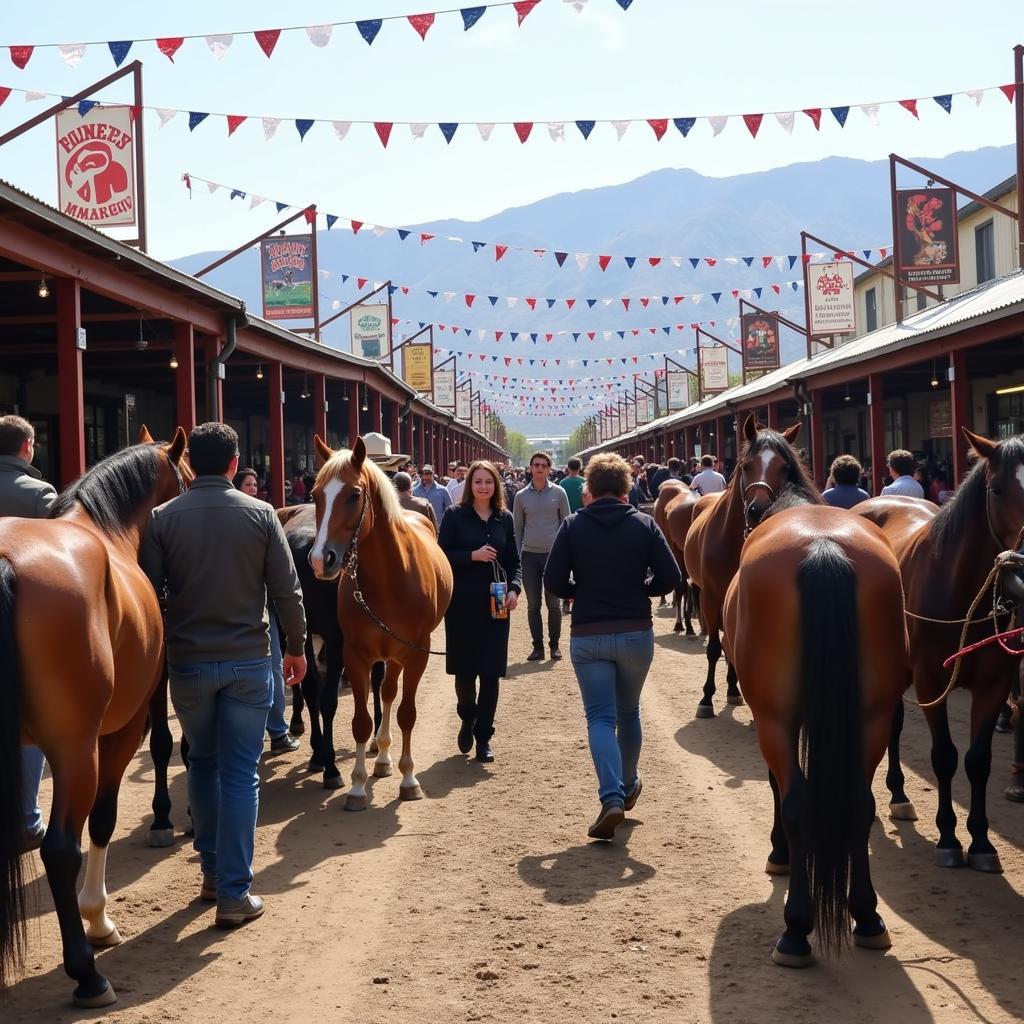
{"points": [[509, 361], [581, 260], [319, 36]]}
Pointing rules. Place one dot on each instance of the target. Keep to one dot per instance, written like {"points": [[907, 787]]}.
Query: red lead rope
{"points": [[999, 638]]}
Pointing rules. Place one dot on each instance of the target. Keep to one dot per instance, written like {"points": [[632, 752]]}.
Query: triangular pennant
{"points": [[485, 128], [332, 219], [753, 123], [766, 261], [448, 130], [356, 226], [653, 260], [470, 16], [169, 46], [591, 303], [21, 55], [369, 29], [659, 125], [523, 128], [417, 129], [625, 304], [383, 129], [319, 35], [220, 44], [236, 193], [684, 124], [234, 120], [716, 296], [718, 123], [582, 260], [570, 303], [550, 302], [84, 106], [492, 299], [1009, 91], [341, 129], [748, 260], [119, 50], [310, 215], [72, 53], [470, 299], [523, 8], [424, 238], [946, 102], [910, 105], [792, 261], [585, 127], [621, 127], [196, 118], [560, 257], [165, 114], [814, 113], [403, 234], [840, 114], [267, 39], [422, 23], [603, 261], [871, 112], [499, 251], [630, 260], [532, 303], [270, 127], [786, 118], [302, 125], [556, 131], [694, 262]]}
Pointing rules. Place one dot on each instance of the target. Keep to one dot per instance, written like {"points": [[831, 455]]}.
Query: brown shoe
{"points": [[610, 818], [556, 654], [632, 797], [537, 654]]}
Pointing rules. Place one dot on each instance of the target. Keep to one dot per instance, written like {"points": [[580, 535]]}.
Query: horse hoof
{"points": [[105, 998], [903, 812], [677, 628], [314, 767], [332, 782], [112, 938], [355, 803], [771, 868], [410, 793], [382, 769], [372, 749], [878, 941], [781, 959], [986, 862], [159, 838], [297, 728], [690, 634], [705, 711], [1014, 793], [736, 699], [949, 858]]}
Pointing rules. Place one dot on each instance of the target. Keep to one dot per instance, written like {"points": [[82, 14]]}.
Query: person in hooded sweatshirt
{"points": [[611, 560]]}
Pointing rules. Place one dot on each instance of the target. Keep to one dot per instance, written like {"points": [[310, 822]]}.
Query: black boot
{"points": [[484, 754], [465, 692]]}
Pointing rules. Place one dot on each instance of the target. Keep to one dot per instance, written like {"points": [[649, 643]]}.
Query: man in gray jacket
{"points": [[219, 552], [25, 494]]}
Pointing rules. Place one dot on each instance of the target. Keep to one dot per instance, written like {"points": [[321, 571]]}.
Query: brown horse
{"points": [[396, 587], [814, 625], [712, 556], [673, 512], [81, 650]]}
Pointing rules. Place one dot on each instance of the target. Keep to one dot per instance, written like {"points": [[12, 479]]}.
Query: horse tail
{"points": [[12, 898], [832, 755]]}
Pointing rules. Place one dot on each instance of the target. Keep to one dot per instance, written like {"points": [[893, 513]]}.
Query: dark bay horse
{"points": [[395, 588], [675, 503], [712, 556], [81, 651], [814, 625]]}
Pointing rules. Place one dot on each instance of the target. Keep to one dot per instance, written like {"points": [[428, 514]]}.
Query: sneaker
{"points": [[233, 913], [556, 654], [32, 840], [285, 744], [466, 738], [537, 654], [632, 798], [610, 818], [208, 890]]}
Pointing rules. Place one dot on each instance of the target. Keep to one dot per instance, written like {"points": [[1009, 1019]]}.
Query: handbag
{"points": [[499, 592]]}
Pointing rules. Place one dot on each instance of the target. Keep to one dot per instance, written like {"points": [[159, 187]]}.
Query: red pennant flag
{"points": [[422, 23], [910, 105], [499, 251], [735, 293], [636, 331], [591, 335], [497, 337], [1009, 91], [4, 93], [753, 123], [234, 120], [469, 300], [625, 303], [570, 303], [425, 238], [170, 46], [603, 261], [187, 178], [884, 251], [806, 257], [383, 131], [356, 226], [523, 128], [540, 253], [267, 39], [532, 303], [814, 113], [710, 261], [678, 298], [361, 284], [21, 55], [548, 337], [766, 261], [310, 215], [777, 289], [644, 302], [654, 260], [134, 112], [659, 125], [523, 8], [405, 289], [508, 360]]}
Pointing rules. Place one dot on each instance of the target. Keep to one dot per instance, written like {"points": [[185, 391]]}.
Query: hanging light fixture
{"points": [[365, 407], [259, 371], [935, 375], [344, 395], [305, 386], [846, 397], [173, 364], [44, 288], [141, 344]]}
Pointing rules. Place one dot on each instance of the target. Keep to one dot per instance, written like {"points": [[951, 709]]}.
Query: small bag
{"points": [[499, 593]]}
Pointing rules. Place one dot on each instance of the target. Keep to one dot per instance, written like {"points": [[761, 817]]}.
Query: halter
{"points": [[750, 504]]}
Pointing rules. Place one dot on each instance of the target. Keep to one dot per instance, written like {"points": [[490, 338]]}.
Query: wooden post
{"points": [[818, 436], [320, 405], [773, 415], [185, 376], [275, 432], [407, 448], [876, 430], [375, 412], [353, 412], [211, 349], [960, 403], [71, 381]]}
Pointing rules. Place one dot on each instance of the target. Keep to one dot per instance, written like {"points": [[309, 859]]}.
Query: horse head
{"points": [[177, 454], [768, 465]]}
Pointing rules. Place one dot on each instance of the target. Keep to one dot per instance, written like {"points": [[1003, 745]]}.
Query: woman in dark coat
{"points": [[474, 534]]}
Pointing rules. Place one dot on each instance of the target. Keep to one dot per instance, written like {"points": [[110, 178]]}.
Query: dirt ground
{"points": [[486, 902]]}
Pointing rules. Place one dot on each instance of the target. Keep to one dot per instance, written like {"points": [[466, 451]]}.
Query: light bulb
{"points": [[259, 372], [44, 288], [174, 362]]}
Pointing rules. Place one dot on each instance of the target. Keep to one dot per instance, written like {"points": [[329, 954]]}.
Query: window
{"points": [[985, 251], [871, 310], [893, 429], [922, 300]]}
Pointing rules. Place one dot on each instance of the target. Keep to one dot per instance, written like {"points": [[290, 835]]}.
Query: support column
{"points": [[71, 381], [818, 437], [375, 412], [185, 376], [353, 412], [876, 430], [688, 443], [773, 415], [408, 435], [393, 431], [319, 382], [275, 432], [960, 403], [721, 433], [214, 387]]}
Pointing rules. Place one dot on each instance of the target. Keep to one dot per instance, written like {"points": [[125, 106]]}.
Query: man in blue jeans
{"points": [[220, 553]]}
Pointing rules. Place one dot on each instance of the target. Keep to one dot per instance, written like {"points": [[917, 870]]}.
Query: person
{"points": [[538, 512], [845, 491], [281, 740], [298, 489], [457, 482], [672, 470], [941, 490], [511, 487], [218, 653], [572, 484], [403, 484], [640, 478], [901, 467], [478, 535], [25, 494], [609, 550], [708, 481], [438, 496]]}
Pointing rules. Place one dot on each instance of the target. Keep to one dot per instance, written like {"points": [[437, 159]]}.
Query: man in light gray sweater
{"points": [[538, 512]]}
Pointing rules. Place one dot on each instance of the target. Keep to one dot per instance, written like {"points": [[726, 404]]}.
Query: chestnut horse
{"points": [[712, 556], [674, 508], [395, 590], [814, 625], [81, 651]]}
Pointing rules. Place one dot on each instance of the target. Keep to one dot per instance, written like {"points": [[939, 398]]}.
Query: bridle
{"points": [[750, 504]]}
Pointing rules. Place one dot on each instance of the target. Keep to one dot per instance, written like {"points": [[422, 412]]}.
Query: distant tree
{"points": [[518, 447]]}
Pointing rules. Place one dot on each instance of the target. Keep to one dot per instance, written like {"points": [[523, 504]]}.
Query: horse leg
{"points": [[985, 706], [376, 679], [1015, 790], [869, 931], [732, 687], [689, 609], [778, 859], [312, 687], [698, 610], [793, 949], [948, 851], [900, 807], [386, 693], [358, 673], [413, 671], [705, 709], [324, 716], [161, 832], [677, 602]]}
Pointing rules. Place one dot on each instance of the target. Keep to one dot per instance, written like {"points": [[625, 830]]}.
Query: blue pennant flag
{"points": [[550, 302], [369, 29], [331, 221], [586, 362], [591, 303], [467, 330], [757, 292], [422, 325], [946, 102], [694, 262], [470, 16], [716, 296], [575, 335], [403, 234], [684, 124], [560, 257], [302, 125], [533, 338], [585, 127], [748, 260], [344, 277], [237, 193], [792, 261], [281, 206], [492, 299], [119, 50], [448, 131], [392, 288], [840, 114], [630, 260], [433, 295], [667, 330], [196, 118], [622, 335], [513, 335], [477, 246], [624, 4], [532, 361], [84, 106], [867, 253], [794, 285]]}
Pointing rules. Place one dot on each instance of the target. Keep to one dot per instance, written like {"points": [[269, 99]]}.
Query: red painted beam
{"points": [[185, 376], [70, 381], [876, 431], [275, 432], [320, 406]]}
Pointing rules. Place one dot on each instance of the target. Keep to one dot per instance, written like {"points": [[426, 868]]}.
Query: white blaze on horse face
{"points": [[331, 491], [766, 460]]}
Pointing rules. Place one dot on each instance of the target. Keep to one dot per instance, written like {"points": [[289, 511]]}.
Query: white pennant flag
{"points": [[582, 259], [341, 129], [778, 262], [511, 300], [481, 334], [32, 96], [718, 122], [319, 35], [556, 129], [165, 114], [270, 127], [607, 302], [696, 297], [448, 296], [72, 53], [607, 337], [212, 187], [677, 261], [219, 44], [485, 128], [786, 118], [577, 4], [417, 129], [871, 112], [621, 127], [746, 293], [732, 259], [335, 305], [977, 95], [380, 231], [255, 201]]}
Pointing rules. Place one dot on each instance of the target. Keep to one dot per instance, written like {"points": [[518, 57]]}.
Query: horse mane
{"points": [[390, 507], [114, 490], [800, 489]]}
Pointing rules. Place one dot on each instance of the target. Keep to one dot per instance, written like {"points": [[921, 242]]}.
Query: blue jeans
{"points": [[222, 707], [611, 669], [276, 724], [32, 762]]}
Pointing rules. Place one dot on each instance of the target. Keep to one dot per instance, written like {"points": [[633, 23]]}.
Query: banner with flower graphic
{"points": [[830, 291], [926, 220]]}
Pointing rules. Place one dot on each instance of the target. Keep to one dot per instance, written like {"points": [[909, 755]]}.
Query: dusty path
{"points": [[485, 902]]}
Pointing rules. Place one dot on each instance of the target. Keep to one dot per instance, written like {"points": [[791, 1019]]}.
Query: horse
{"points": [[712, 556], [361, 527], [814, 625], [81, 650], [673, 512]]}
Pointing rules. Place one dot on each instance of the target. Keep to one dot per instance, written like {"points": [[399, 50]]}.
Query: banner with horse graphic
{"points": [[286, 265], [760, 334], [927, 225]]}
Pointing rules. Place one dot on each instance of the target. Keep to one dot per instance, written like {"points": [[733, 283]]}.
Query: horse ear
{"points": [[323, 452], [176, 448], [985, 447], [358, 454], [750, 428], [792, 433], [145, 437]]}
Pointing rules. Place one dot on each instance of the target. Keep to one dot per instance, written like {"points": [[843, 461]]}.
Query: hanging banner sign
{"points": [[418, 367], [96, 165], [286, 266], [631, 416], [714, 369], [760, 334], [678, 390], [463, 405], [371, 331], [643, 410], [652, 407], [444, 388], [926, 220], [830, 291]]}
